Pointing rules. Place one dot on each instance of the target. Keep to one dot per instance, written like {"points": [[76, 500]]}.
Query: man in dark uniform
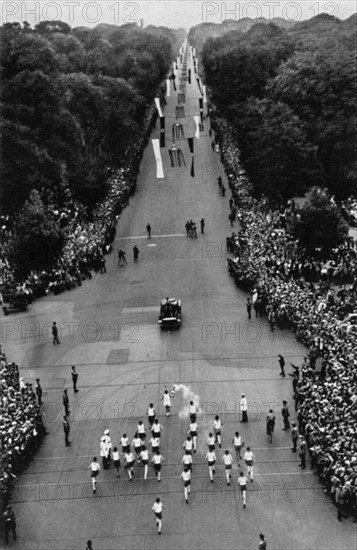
{"points": [[55, 333], [285, 414], [38, 390], [74, 374], [135, 252], [202, 222], [148, 229], [282, 365], [10, 523], [249, 307], [263, 542], [66, 429], [302, 452], [294, 436], [65, 402]]}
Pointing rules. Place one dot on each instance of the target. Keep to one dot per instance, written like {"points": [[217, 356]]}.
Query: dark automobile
{"points": [[170, 312], [13, 302]]}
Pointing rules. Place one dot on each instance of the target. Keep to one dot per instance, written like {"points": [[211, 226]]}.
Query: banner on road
{"points": [[158, 106]]}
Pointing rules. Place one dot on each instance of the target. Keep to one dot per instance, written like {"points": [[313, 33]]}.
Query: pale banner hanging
{"points": [[204, 94], [197, 122], [157, 153], [158, 106], [168, 87]]}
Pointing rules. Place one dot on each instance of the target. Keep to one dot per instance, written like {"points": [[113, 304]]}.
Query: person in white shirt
{"points": [[104, 452], [192, 411], [244, 408], [124, 441], [151, 414], [186, 476], [109, 442], [193, 433], [167, 402], [157, 459], [136, 444], [155, 444], [156, 429], [249, 460], [116, 460], [187, 460], [242, 482], [129, 463], [188, 444], [217, 426], [141, 431], [211, 459], [157, 509], [237, 442], [211, 442], [144, 455], [94, 468], [228, 461]]}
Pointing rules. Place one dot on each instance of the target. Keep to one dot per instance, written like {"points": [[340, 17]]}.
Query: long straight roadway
{"points": [[109, 330]]}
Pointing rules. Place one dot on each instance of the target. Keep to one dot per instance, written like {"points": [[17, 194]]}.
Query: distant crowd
{"points": [[315, 299], [87, 242], [21, 426]]}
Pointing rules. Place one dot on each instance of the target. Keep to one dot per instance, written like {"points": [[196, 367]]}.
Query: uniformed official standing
{"points": [[294, 436], [10, 523], [74, 374], [65, 402], [38, 391], [66, 429]]}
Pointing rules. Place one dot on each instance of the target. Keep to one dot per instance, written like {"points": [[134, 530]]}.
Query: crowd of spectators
{"points": [[88, 239], [21, 426], [316, 299]]}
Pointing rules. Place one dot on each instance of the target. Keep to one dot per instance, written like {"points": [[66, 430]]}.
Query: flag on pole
{"points": [[190, 144], [157, 153], [197, 122], [168, 87], [162, 131], [189, 76], [158, 106], [199, 85], [200, 101]]}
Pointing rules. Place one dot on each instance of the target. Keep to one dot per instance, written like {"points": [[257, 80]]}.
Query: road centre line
{"points": [[152, 237]]}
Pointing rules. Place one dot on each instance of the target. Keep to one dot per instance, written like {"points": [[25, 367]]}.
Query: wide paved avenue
{"points": [[109, 331]]}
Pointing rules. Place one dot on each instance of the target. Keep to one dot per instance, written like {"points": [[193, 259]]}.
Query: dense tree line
{"points": [[73, 101], [291, 96]]}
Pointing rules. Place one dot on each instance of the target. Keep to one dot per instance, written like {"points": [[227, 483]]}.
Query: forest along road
{"points": [[109, 330]]}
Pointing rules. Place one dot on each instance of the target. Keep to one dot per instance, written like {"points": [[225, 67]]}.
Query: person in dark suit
{"points": [[10, 523], [285, 414], [55, 333], [74, 374], [65, 402], [282, 365], [66, 429]]}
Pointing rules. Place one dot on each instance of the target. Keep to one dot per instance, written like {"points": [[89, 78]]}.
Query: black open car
{"points": [[13, 301], [170, 312]]}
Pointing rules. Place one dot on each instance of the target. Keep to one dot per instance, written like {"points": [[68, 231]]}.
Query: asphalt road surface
{"points": [[109, 330]]}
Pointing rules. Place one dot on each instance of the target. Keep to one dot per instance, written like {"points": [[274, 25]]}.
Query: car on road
{"points": [[12, 303], [170, 312]]}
